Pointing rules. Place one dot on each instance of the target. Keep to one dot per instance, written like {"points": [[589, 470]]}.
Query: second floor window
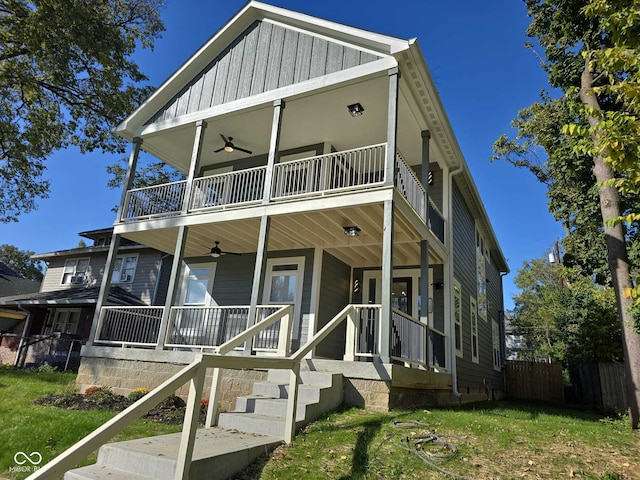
{"points": [[75, 271], [124, 269]]}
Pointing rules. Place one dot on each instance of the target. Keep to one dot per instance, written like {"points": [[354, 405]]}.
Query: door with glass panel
{"points": [[283, 286], [194, 322]]}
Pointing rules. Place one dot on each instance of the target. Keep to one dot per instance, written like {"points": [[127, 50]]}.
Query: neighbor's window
{"points": [[75, 271], [124, 269]]}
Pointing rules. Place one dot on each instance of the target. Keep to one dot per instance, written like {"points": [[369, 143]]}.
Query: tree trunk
{"points": [[616, 253]]}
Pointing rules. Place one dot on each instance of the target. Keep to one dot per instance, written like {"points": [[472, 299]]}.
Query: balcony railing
{"points": [[158, 200], [410, 187], [233, 188], [345, 170], [348, 170]]}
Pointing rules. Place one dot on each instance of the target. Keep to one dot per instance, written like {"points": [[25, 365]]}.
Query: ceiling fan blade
{"points": [[230, 253], [224, 139], [218, 150], [243, 150]]}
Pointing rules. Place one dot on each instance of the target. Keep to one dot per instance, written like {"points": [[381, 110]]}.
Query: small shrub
{"points": [[204, 404], [102, 396], [137, 394], [46, 368], [172, 402]]}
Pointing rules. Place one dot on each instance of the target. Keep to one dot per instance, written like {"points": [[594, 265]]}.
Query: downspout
{"points": [[452, 340]]}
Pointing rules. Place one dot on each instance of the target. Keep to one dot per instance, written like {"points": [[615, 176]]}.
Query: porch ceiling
{"points": [[316, 117], [298, 231]]}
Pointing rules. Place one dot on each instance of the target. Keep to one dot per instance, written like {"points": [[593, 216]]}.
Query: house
{"points": [[322, 173], [56, 320]]}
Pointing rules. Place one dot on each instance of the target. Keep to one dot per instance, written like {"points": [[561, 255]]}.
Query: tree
{"points": [[21, 262], [600, 105], [66, 77], [564, 315]]}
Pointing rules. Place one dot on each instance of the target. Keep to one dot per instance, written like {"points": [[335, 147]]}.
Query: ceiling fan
{"points": [[230, 147], [216, 252]]}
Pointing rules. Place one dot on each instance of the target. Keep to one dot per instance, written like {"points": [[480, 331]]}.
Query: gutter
{"points": [[452, 340]]}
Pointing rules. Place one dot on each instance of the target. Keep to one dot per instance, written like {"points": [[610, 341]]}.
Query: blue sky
{"points": [[475, 51]]}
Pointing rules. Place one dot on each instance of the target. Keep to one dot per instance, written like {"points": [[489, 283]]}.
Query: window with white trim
{"points": [[457, 317], [481, 273], [197, 284], [63, 320], [495, 334], [124, 268], [473, 307], [75, 271]]}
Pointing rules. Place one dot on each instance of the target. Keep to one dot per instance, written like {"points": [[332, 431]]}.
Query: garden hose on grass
{"points": [[431, 448]]}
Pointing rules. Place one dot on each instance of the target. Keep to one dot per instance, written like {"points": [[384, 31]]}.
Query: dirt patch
{"points": [[170, 411]]}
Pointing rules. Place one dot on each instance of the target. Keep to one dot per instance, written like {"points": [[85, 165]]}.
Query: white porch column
{"points": [[115, 240], [129, 177], [259, 272], [103, 295], [174, 283], [274, 148], [194, 166], [424, 244], [392, 127], [386, 282]]}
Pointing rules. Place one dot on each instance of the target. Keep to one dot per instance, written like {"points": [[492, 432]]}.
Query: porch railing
{"points": [[436, 221], [348, 169], [129, 326], [210, 327], [233, 188], [410, 187], [158, 200], [408, 339], [437, 349]]}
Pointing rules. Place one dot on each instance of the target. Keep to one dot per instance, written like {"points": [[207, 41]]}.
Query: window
{"points": [[63, 320], [124, 269], [481, 252], [75, 271], [495, 333], [198, 284], [457, 317], [475, 355]]}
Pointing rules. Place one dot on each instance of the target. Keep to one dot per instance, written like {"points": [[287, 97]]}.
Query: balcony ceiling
{"points": [[322, 228], [307, 120]]}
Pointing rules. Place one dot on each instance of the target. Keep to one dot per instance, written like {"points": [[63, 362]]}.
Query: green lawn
{"points": [[495, 440], [29, 428]]}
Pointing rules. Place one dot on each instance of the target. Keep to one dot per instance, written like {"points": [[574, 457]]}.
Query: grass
{"points": [[495, 440], [28, 428]]}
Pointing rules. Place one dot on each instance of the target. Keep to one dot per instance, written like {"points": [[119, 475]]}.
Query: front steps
{"points": [[253, 428]]}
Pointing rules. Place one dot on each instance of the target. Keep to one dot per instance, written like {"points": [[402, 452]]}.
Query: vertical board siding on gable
{"points": [[334, 296], [264, 57], [464, 264]]}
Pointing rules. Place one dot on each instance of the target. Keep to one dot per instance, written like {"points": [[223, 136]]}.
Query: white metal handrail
{"points": [[410, 187], [241, 186], [154, 201], [408, 339], [345, 170], [363, 333], [129, 326]]}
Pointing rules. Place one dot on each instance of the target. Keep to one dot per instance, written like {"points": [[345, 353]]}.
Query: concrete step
{"points": [[256, 423], [218, 454], [276, 407], [306, 394], [307, 377]]}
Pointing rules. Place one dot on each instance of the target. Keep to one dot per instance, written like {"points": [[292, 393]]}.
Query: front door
{"points": [[283, 286], [404, 290]]}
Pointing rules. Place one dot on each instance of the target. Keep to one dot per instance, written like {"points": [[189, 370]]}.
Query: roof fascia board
{"points": [[416, 56], [84, 251], [290, 92]]}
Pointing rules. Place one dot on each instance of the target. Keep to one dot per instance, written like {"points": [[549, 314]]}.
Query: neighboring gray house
{"points": [[56, 320], [323, 155]]}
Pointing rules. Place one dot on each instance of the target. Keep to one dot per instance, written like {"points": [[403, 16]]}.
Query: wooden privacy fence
{"points": [[535, 381], [602, 384]]}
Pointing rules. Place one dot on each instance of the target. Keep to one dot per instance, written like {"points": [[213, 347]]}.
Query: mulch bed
{"points": [[170, 411]]}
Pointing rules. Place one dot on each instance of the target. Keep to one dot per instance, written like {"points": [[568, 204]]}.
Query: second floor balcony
{"points": [[336, 173]]}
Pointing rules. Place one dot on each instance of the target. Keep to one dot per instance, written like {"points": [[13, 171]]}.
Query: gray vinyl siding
{"points": [[263, 58], [334, 296], [143, 285], [234, 279], [470, 374]]}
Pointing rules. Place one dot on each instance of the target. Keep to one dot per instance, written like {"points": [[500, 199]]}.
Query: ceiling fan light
{"points": [[228, 148], [351, 231]]}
